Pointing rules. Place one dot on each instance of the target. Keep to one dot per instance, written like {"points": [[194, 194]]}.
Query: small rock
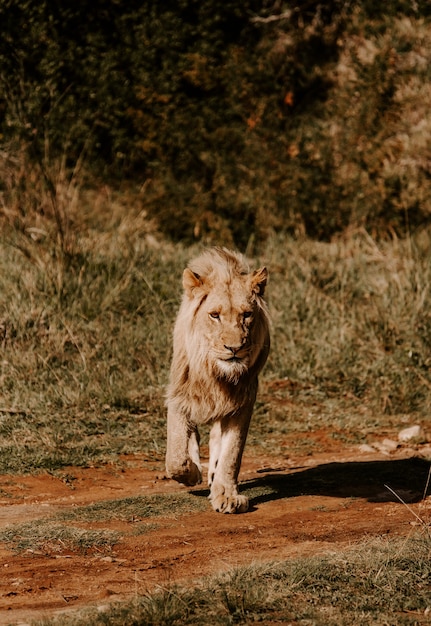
{"points": [[365, 447], [386, 446], [412, 432]]}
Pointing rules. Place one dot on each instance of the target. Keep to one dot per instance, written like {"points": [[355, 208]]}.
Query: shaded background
{"points": [[228, 120]]}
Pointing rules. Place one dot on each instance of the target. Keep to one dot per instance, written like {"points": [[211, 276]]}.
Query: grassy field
{"points": [[317, 125], [89, 291], [87, 303]]}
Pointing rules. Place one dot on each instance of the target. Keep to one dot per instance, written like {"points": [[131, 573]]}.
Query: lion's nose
{"points": [[233, 349]]}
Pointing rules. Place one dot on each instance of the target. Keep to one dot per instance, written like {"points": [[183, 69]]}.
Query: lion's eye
{"points": [[215, 315], [247, 314]]}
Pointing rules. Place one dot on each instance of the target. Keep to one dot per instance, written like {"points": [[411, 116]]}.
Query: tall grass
{"points": [[85, 323], [86, 313], [352, 316]]}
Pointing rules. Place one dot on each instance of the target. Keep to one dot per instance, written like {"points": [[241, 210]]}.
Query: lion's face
{"points": [[226, 318], [228, 325]]}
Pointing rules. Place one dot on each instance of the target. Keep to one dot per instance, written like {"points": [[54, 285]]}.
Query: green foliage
{"points": [[55, 61], [238, 118]]}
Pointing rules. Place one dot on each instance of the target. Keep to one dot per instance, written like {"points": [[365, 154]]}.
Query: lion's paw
{"points": [[223, 503], [188, 474]]}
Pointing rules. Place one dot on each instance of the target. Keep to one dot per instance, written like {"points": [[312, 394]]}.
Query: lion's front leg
{"points": [[182, 450], [227, 441]]}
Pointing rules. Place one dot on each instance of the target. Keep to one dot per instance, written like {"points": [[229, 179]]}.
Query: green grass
{"points": [[85, 344], [136, 508], [50, 537], [60, 531], [374, 583], [86, 338]]}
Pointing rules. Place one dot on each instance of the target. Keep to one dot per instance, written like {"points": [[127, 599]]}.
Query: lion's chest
{"points": [[210, 402]]}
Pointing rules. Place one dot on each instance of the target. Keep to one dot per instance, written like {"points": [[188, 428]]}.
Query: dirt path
{"points": [[310, 505]]}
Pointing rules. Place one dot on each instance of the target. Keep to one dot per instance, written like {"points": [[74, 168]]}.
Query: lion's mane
{"points": [[203, 385]]}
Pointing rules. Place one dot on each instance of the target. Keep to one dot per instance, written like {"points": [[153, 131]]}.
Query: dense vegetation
{"points": [[122, 119], [300, 132], [227, 120]]}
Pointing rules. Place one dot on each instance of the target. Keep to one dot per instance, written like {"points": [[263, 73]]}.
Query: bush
{"points": [[236, 119]]}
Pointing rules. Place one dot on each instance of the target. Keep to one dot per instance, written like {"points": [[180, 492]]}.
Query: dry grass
{"points": [[86, 316], [68, 532], [353, 316], [136, 508], [48, 538], [376, 583]]}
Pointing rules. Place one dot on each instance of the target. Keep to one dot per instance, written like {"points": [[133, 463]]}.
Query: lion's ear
{"points": [[258, 281], [191, 281]]}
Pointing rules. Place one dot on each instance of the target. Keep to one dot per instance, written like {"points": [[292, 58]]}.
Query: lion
{"points": [[220, 344]]}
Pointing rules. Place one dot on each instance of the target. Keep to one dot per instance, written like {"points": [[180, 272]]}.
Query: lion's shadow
{"points": [[408, 478]]}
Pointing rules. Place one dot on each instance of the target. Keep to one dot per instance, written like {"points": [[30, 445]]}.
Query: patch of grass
{"points": [[143, 529], [50, 537], [351, 321], [136, 508], [76, 436], [56, 534], [375, 583]]}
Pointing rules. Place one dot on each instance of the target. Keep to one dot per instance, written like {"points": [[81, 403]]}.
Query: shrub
{"points": [[236, 119]]}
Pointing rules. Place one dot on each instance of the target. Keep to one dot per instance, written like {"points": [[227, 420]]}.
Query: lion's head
{"points": [[223, 320]]}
